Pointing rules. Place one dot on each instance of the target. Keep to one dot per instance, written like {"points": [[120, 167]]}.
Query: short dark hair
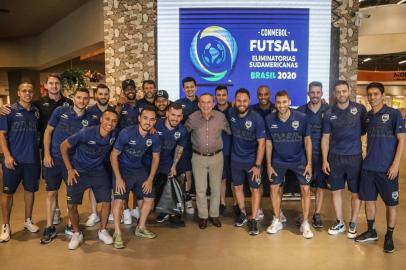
{"points": [[102, 86], [315, 84], [341, 82], [188, 79], [206, 94], [282, 93], [149, 108], [54, 75], [148, 82], [221, 87], [111, 110], [376, 85], [81, 89], [176, 106], [242, 91], [263, 86]]}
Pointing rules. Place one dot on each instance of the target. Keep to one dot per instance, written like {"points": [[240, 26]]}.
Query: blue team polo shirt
{"points": [[346, 128], [95, 113], [91, 149], [263, 113], [288, 138], [382, 130], [169, 138], [133, 146], [315, 121], [188, 106], [129, 115], [22, 133], [65, 122], [225, 137], [245, 131]]}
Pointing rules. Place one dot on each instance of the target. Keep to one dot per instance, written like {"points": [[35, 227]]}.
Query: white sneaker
{"points": [[57, 217], [30, 226], [5, 233], [75, 241], [338, 227], [189, 208], [305, 230], [282, 217], [135, 213], [111, 219], [128, 220], [260, 215], [105, 237], [92, 220], [275, 227]]}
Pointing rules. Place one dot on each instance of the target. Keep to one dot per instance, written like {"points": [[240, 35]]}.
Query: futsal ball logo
{"points": [[213, 52]]}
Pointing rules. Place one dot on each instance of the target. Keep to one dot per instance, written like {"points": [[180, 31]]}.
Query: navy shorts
{"points": [[27, 173], [374, 183], [344, 168], [240, 174], [98, 180], [54, 176], [134, 179], [226, 168], [297, 170], [318, 176]]}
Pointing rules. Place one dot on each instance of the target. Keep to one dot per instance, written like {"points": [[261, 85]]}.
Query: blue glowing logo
{"points": [[213, 52]]}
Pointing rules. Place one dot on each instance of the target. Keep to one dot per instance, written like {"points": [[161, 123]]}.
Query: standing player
{"points": [[173, 137], [288, 147], [247, 152], [190, 105], [86, 169], [342, 154], [315, 111], [149, 89], [130, 172], [221, 95], [380, 170], [19, 144], [102, 97], [64, 122], [161, 103]]}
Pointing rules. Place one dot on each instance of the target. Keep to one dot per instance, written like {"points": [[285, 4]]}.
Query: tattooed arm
{"points": [[176, 158]]}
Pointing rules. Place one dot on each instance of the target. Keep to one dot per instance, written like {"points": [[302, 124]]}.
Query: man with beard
{"points": [[173, 137], [64, 122], [86, 169], [288, 147], [343, 126], [247, 152], [161, 103], [131, 174], [19, 144], [102, 97], [190, 105], [380, 169], [149, 90], [315, 111], [221, 95], [46, 105]]}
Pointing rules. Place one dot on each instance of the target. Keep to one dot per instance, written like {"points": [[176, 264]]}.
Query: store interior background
{"points": [[53, 36]]}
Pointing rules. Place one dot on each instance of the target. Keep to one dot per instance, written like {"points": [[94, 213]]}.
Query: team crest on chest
{"points": [[354, 110], [295, 124], [85, 123], [248, 124], [148, 142], [385, 118], [176, 135]]}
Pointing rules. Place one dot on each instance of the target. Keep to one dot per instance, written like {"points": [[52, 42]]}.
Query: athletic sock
{"points": [[370, 224]]}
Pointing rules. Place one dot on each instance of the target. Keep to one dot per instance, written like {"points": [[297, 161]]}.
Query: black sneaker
{"points": [[162, 217], [237, 210], [317, 222], [367, 236], [222, 209], [241, 220], [253, 227], [388, 246], [49, 235], [177, 221]]}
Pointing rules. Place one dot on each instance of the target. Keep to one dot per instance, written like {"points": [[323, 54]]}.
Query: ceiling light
{"points": [[366, 60], [401, 2], [404, 61]]}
